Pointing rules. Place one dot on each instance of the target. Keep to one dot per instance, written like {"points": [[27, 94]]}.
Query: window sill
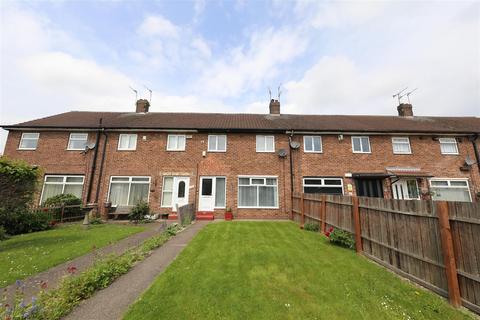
{"points": [[402, 153], [126, 149], [265, 151], [313, 151], [273, 208], [180, 150], [26, 149], [450, 154], [214, 151], [361, 152]]}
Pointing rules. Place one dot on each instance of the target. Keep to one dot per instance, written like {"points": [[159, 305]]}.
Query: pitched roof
{"points": [[254, 122]]}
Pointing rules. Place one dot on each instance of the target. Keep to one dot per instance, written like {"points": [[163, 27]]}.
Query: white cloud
{"points": [[245, 68], [156, 25]]}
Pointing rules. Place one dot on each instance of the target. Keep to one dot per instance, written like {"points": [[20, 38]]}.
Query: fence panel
{"points": [[406, 237]]}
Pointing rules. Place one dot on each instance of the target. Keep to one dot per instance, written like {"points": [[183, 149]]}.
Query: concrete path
{"points": [[53, 275], [112, 302]]}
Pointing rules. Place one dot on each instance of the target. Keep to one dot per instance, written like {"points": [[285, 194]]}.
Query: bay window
{"points": [[257, 192]]}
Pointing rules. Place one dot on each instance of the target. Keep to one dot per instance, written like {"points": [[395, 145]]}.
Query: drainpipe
{"points": [[100, 173], [475, 148], [291, 162], [94, 164]]}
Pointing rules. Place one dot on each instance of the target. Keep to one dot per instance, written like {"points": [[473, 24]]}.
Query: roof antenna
{"points": [[136, 93], [409, 93], [150, 93], [399, 95], [279, 90], [270, 93]]}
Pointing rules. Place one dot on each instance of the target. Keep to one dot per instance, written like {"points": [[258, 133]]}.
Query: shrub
{"points": [[3, 234], [24, 221], [341, 238], [139, 212], [18, 182], [311, 227]]}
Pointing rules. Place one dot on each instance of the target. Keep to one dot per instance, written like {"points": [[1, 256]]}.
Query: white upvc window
{"points": [[257, 192], [77, 141], [265, 143], [56, 184], [127, 141], [312, 144], [360, 144], [128, 191], [450, 189], [217, 143], [401, 145], [448, 145], [29, 141], [167, 191], [323, 185], [176, 142]]}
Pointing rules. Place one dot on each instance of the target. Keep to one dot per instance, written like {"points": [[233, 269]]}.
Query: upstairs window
{"points": [[176, 142], [77, 141], [401, 145], [29, 141], [360, 144], [217, 143], [127, 142], [55, 185], [265, 143], [448, 145], [312, 144]]}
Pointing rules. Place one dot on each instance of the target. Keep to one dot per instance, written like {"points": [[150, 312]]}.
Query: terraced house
{"points": [[248, 162]]}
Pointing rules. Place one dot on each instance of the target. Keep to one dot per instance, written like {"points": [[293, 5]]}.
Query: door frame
{"points": [[214, 191], [403, 181]]}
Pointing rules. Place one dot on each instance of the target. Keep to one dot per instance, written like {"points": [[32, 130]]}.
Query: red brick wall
{"points": [[151, 159]]}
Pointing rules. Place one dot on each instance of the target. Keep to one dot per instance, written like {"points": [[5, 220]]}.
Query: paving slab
{"points": [[112, 302]]}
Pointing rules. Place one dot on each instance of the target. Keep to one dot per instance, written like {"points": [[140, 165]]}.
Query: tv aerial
{"points": [[409, 93], [399, 95], [136, 93], [149, 90]]}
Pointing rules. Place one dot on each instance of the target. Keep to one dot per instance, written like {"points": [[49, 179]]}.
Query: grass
{"points": [[28, 254], [274, 270]]}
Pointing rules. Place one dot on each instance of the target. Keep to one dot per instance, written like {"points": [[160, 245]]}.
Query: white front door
{"points": [[180, 192], [207, 194], [406, 189]]}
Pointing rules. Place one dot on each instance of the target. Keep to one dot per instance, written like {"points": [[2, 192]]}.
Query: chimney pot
{"points": [[405, 110], [274, 107], [142, 106]]}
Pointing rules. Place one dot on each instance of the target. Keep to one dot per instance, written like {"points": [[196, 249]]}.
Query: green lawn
{"points": [[28, 254], [274, 270]]}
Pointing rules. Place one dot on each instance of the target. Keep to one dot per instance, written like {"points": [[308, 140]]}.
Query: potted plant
{"points": [[229, 214]]}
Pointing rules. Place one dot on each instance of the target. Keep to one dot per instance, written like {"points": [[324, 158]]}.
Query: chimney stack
{"points": [[142, 106], [274, 107], [405, 110]]}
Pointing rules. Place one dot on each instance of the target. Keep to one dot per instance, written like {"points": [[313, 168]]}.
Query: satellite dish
{"points": [[469, 161], [282, 153], [91, 145], [294, 144]]}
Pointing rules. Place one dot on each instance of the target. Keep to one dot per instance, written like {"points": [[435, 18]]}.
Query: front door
{"points": [[180, 192], [405, 189], [212, 193]]}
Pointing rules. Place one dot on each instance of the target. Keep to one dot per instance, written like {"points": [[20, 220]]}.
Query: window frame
{"points": [[162, 205], [265, 177], [63, 183], [120, 139], [454, 142], [70, 140], [130, 182], [449, 186], [361, 145], [22, 138], [216, 139], [177, 135], [404, 143], [313, 144], [265, 143], [323, 185]]}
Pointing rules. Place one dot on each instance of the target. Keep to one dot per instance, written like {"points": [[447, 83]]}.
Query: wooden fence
{"points": [[436, 244], [61, 214]]}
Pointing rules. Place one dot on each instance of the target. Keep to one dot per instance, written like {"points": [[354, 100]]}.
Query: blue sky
{"points": [[218, 56]]}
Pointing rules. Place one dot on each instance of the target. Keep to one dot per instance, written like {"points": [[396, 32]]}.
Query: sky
{"points": [[224, 56]]}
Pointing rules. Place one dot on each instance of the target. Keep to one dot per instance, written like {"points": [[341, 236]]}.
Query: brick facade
{"points": [[152, 159]]}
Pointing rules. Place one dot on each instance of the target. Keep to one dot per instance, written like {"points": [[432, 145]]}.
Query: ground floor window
{"points": [[257, 192], [323, 185], [128, 191], [450, 189], [55, 185]]}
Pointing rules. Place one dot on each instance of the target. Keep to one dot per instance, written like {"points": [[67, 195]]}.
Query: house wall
{"points": [[152, 159]]}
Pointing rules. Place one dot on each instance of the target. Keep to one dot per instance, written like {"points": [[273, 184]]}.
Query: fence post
{"points": [[323, 212], [356, 222], [448, 254], [302, 211], [62, 213]]}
